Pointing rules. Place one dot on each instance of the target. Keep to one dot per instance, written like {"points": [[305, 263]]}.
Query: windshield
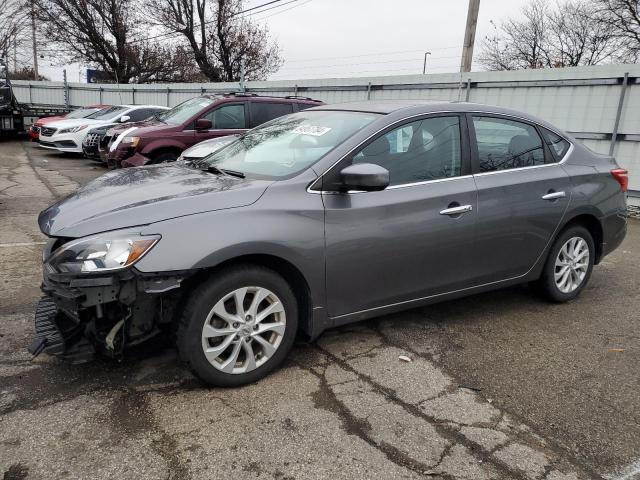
{"points": [[82, 112], [107, 113], [183, 112], [289, 144]]}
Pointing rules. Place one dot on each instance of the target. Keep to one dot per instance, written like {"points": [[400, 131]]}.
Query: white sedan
{"points": [[67, 135]]}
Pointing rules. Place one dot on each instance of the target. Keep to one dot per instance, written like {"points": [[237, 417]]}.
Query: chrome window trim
{"points": [[472, 112]]}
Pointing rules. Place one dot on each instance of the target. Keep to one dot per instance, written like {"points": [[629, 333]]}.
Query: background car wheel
{"points": [[569, 265], [238, 326], [165, 157]]}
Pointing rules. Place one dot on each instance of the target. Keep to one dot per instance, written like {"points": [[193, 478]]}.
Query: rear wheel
{"points": [[238, 326], [569, 265]]}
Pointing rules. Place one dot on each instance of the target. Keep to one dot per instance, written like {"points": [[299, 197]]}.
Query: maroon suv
{"points": [[163, 138]]}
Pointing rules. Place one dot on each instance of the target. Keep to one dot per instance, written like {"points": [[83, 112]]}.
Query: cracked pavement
{"points": [[500, 386]]}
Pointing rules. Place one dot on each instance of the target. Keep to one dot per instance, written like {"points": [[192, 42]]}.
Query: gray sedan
{"points": [[321, 218]]}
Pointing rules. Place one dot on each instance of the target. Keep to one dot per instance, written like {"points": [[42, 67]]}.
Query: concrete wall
{"points": [[582, 100]]}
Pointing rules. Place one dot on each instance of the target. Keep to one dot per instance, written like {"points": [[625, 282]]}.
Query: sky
{"points": [[349, 38]]}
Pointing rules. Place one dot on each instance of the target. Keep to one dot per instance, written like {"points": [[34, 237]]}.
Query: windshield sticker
{"points": [[315, 130]]}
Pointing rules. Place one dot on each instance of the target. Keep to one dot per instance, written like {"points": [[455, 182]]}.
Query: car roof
{"points": [[417, 107], [255, 96], [143, 106]]}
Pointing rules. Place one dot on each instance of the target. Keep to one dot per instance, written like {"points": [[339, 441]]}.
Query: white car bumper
{"points": [[64, 142]]}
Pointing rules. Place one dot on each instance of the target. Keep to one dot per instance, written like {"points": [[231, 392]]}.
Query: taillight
{"points": [[622, 177]]}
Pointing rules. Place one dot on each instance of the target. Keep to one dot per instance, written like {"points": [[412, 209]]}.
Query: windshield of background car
{"points": [[82, 113], [289, 144], [107, 113], [183, 112]]}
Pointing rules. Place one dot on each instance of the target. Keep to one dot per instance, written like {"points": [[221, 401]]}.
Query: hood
{"points": [[45, 120], [144, 126], [207, 147], [141, 196], [73, 122]]}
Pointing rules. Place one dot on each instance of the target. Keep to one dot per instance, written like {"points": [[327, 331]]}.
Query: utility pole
{"points": [[33, 39], [469, 35], [424, 65]]}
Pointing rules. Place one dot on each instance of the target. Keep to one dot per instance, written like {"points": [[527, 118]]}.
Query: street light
{"points": [[424, 66]]}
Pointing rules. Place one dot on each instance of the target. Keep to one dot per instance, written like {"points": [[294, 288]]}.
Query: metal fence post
{"points": [[133, 95], [168, 93], [66, 88], [468, 90], [369, 91], [623, 91], [100, 95], [30, 97]]}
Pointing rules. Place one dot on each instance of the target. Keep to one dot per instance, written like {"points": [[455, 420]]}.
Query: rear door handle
{"points": [[554, 195], [456, 210]]}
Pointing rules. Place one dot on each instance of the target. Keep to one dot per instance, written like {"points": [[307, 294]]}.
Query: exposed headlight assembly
{"points": [[133, 141], [101, 253]]}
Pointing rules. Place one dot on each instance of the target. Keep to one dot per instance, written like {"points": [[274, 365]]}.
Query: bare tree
{"points": [[220, 39], [568, 34], [13, 26], [110, 35], [622, 18]]}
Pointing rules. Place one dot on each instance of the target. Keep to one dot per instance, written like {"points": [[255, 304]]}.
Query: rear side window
{"points": [[262, 112], [506, 144], [230, 117], [558, 145]]}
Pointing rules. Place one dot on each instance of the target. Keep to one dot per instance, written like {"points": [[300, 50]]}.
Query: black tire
{"points": [[165, 157], [546, 285], [202, 301]]}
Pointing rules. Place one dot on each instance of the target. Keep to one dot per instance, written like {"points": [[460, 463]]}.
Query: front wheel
{"points": [[165, 157], [238, 326], [569, 265]]}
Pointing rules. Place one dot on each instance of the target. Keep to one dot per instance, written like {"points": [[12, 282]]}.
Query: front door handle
{"points": [[554, 195], [456, 210]]}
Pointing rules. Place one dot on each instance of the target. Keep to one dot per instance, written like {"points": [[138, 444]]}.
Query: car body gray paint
{"points": [[286, 219]]}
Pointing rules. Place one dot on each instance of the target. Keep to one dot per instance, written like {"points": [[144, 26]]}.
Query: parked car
{"points": [[95, 136], [197, 119], [67, 135], [320, 218], [205, 148], [84, 112]]}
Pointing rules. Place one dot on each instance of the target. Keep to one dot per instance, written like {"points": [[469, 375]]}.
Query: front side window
{"points": [[419, 151], [227, 117], [288, 145], [140, 114], [505, 144], [262, 112], [558, 145]]}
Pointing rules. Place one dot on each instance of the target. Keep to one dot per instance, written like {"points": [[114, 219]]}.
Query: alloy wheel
{"points": [[572, 264], [243, 330]]}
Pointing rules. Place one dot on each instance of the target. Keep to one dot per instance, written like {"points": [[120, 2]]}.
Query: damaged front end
{"points": [[94, 301]]}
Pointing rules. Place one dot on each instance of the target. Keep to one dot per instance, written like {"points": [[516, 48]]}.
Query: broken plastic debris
{"points": [[616, 350], [404, 358], [470, 387]]}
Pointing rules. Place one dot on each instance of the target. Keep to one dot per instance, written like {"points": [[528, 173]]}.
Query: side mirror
{"points": [[203, 124], [367, 177], [125, 118]]}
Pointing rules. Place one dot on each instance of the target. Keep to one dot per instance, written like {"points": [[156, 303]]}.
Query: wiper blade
{"points": [[219, 171]]}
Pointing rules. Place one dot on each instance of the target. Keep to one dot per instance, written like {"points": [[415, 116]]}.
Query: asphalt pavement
{"points": [[500, 385]]}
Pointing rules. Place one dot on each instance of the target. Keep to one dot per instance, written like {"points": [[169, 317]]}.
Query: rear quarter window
{"points": [[558, 145], [262, 112]]}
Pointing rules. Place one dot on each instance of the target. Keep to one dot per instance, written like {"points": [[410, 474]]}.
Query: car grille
{"points": [[47, 131], [91, 140], [35, 129], [104, 143]]}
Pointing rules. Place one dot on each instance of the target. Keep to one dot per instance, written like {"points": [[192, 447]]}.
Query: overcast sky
{"points": [[335, 38]]}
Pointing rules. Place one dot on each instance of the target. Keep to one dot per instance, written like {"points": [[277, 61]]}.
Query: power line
{"points": [[256, 7], [282, 11]]}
